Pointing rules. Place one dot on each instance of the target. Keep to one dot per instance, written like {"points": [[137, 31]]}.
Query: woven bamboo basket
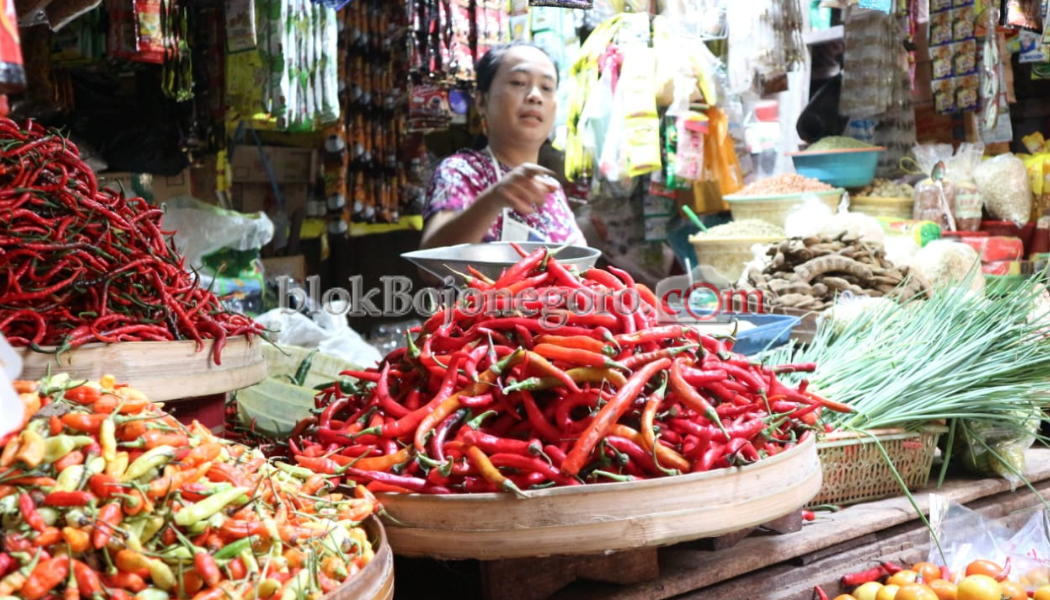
{"points": [[600, 518], [376, 580], [161, 370], [854, 470]]}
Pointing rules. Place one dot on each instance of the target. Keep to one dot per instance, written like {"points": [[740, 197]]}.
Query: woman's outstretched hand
{"points": [[524, 189]]}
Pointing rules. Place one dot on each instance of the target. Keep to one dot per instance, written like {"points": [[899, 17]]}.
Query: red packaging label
{"points": [[10, 42], [996, 248]]}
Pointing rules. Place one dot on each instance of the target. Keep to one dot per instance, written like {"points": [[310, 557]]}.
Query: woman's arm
{"points": [[523, 189]]}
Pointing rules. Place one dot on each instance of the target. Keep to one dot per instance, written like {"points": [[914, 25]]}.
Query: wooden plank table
{"points": [[786, 567], [768, 565]]}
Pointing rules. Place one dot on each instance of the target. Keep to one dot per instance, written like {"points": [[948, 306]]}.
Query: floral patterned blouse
{"points": [[460, 178]]}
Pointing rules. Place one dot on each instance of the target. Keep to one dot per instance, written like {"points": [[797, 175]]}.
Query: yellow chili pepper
{"points": [[117, 466], [107, 438], [107, 382], [32, 449]]}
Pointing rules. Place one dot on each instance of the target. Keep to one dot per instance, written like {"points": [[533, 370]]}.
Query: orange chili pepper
{"points": [[162, 486], [109, 516], [296, 558], [78, 540], [126, 581], [207, 569], [132, 430], [24, 387], [83, 394], [45, 577], [50, 536], [75, 457], [201, 454], [191, 581], [88, 580], [131, 561], [55, 425]]}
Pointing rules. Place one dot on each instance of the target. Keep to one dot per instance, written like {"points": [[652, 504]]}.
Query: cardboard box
{"points": [[291, 266], [166, 188], [290, 165], [259, 197]]}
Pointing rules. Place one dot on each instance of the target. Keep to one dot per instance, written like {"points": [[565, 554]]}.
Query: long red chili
{"points": [[609, 414]]}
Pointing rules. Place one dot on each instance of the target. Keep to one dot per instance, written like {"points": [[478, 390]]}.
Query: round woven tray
{"points": [[598, 518], [161, 370]]}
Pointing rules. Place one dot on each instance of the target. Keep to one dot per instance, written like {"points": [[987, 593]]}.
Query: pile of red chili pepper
{"points": [[102, 494], [82, 264], [485, 399]]}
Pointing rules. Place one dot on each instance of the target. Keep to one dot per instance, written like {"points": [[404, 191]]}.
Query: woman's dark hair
{"points": [[486, 68]]}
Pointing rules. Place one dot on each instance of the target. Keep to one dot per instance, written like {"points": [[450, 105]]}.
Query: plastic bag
{"points": [[968, 203], [808, 218], [983, 447], [201, 229], [959, 536], [12, 411], [963, 536], [1003, 182], [946, 263], [934, 197], [329, 333]]}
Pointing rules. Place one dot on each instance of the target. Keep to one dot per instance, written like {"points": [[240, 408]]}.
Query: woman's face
{"points": [[520, 105]]}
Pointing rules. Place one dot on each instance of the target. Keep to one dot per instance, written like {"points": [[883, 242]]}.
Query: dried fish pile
{"points": [[810, 273]]}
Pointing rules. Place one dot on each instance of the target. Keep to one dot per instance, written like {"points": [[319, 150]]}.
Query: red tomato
{"points": [[985, 567], [927, 571]]}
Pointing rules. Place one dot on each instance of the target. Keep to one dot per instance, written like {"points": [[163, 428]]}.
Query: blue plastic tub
{"points": [[840, 168], [770, 331]]}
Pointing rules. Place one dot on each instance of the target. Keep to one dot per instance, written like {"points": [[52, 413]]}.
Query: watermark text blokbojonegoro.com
{"points": [[555, 307]]}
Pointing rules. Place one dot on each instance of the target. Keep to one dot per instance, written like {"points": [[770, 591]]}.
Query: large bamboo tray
{"points": [[602, 517], [376, 580], [161, 370]]}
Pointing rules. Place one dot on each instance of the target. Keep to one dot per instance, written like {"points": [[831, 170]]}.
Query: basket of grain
{"points": [[772, 199], [728, 248], [885, 198]]}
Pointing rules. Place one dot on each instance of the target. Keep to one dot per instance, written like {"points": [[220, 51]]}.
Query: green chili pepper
{"points": [[162, 575], [153, 525], [411, 349], [152, 594], [96, 465], [61, 445], [151, 459], [50, 515], [298, 586], [233, 549], [476, 422], [209, 506], [69, 479], [250, 563], [296, 471], [304, 368]]}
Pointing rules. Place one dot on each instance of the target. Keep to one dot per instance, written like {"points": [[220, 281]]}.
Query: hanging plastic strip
{"points": [[584, 4]]}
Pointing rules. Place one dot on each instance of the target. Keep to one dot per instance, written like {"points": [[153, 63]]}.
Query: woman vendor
{"points": [[500, 192]]}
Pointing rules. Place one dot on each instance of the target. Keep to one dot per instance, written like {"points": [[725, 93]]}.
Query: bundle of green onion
{"points": [[954, 356]]}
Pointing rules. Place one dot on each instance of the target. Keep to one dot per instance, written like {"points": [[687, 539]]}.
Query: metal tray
{"points": [[493, 257]]}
